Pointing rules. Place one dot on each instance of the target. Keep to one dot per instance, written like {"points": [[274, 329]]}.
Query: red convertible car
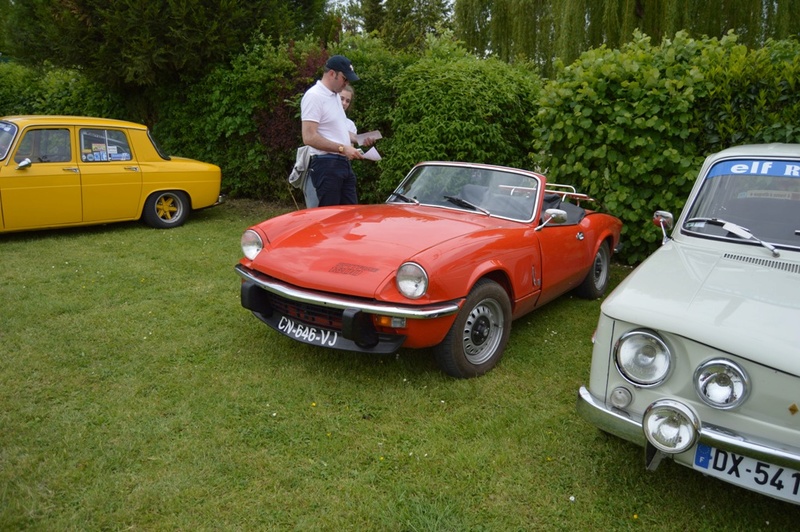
{"points": [[455, 254]]}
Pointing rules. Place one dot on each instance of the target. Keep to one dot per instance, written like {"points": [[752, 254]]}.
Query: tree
{"points": [[400, 24], [543, 30], [131, 45]]}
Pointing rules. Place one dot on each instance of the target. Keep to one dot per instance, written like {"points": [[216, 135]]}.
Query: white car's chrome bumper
{"points": [[622, 425]]}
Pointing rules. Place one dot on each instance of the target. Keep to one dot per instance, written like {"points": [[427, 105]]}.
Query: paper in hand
{"points": [[374, 135], [371, 155]]}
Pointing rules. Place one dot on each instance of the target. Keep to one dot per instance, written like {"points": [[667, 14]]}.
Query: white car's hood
{"points": [[741, 301]]}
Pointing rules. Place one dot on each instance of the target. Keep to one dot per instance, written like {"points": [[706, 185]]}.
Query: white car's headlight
{"points": [[251, 244], [670, 426], [721, 383], [412, 281], [643, 358]]}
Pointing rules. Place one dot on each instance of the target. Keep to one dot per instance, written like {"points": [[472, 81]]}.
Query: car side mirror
{"points": [[553, 216], [664, 220], [24, 163]]}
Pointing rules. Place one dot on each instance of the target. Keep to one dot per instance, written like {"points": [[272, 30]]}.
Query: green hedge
{"points": [[632, 126], [454, 106], [55, 92], [629, 126]]}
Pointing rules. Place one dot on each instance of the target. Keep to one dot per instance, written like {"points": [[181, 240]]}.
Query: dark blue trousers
{"points": [[333, 179]]}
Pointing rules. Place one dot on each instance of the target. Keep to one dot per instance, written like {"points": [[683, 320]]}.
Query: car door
{"points": [[46, 192], [112, 179], [565, 256]]}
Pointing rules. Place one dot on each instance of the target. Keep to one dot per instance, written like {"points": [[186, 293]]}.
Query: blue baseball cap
{"points": [[340, 63]]}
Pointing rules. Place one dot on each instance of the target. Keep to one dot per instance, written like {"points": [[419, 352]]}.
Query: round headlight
{"points": [[412, 281], [721, 383], [670, 426], [643, 358], [251, 244]]}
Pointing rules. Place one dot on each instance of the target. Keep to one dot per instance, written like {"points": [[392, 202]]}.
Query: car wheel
{"points": [[166, 209], [596, 281], [478, 337]]}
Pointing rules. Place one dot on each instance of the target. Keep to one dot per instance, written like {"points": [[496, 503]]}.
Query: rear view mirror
{"points": [[664, 220]]}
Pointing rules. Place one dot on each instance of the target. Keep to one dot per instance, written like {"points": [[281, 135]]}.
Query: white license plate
{"points": [[306, 333], [775, 481]]}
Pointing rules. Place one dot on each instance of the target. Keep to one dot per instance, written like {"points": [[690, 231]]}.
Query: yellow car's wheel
{"points": [[166, 209]]}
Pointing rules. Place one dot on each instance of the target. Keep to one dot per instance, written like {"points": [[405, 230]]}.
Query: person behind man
{"points": [[347, 95], [326, 130]]}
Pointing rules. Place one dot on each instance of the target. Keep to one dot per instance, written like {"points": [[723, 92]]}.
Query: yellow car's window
{"points": [[103, 145], [45, 146], [7, 132]]}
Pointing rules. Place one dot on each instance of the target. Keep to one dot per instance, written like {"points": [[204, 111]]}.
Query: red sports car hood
{"points": [[354, 249], [743, 302]]}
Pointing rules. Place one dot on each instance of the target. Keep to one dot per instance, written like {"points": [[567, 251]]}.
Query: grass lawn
{"points": [[136, 393]]}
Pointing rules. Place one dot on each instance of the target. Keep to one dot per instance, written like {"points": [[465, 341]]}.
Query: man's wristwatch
{"points": [[341, 149]]}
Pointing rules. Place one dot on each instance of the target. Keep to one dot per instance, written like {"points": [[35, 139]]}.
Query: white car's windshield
{"points": [[760, 196], [485, 190]]}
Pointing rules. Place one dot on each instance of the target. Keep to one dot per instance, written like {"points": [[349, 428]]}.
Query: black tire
{"points": [[478, 337], [596, 281], [166, 209]]}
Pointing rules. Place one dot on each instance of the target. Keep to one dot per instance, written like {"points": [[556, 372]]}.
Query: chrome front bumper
{"points": [[339, 302], [622, 425]]}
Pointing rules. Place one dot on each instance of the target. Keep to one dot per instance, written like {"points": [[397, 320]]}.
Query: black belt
{"points": [[329, 156]]}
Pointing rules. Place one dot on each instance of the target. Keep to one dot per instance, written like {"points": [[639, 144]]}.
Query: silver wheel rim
{"points": [[600, 268], [482, 332]]}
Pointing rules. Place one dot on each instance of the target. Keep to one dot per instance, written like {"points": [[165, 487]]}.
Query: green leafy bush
{"points": [[243, 117], [52, 91], [632, 126], [629, 126], [452, 105]]}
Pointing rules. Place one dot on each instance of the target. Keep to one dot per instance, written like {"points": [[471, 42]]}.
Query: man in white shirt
{"points": [[325, 130]]}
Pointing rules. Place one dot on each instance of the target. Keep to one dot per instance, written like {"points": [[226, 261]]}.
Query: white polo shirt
{"points": [[323, 106]]}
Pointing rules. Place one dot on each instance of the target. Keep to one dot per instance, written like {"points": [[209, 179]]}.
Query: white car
{"points": [[697, 352]]}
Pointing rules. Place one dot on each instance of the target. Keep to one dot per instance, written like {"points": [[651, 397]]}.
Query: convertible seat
{"points": [[574, 213]]}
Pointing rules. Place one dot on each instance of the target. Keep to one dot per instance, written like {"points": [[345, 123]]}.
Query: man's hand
{"points": [[353, 153], [311, 137]]}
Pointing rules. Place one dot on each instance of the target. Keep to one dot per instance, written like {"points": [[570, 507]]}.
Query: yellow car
{"points": [[60, 171]]}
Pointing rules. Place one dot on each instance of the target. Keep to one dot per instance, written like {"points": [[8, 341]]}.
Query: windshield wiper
{"points": [[404, 198], [461, 202], [737, 230]]}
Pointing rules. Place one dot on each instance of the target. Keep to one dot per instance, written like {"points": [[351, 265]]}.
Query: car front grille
{"points": [[314, 315]]}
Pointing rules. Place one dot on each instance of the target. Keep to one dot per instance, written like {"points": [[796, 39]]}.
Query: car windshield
{"points": [[485, 190], [760, 196], [7, 132]]}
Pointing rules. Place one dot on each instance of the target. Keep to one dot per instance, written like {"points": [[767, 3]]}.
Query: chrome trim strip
{"points": [[326, 300], [619, 424], [763, 451]]}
